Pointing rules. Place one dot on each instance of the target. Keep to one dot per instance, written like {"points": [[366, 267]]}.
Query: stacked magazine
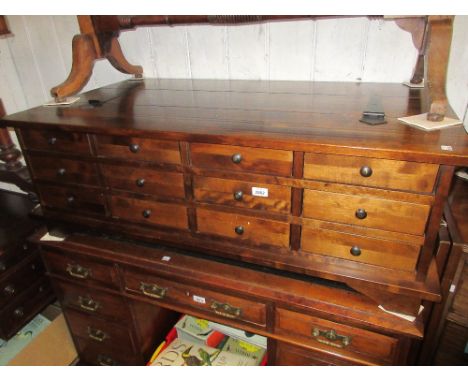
{"points": [[197, 342]]}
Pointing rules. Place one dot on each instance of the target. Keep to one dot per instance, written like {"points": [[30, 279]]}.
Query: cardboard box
{"points": [[52, 346]]}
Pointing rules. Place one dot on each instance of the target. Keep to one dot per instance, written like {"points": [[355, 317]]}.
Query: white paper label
{"points": [[259, 191], [446, 148], [452, 288], [166, 258], [199, 299]]}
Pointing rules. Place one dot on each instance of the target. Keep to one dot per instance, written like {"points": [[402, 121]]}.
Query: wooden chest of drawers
{"points": [[278, 185], [24, 289], [119, 300]]}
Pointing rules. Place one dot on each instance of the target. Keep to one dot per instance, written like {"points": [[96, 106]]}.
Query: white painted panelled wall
{"points": [[38, 55]]}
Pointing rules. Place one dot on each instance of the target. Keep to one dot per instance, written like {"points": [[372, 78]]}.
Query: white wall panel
{"points": [[207, 51], [457, 74], [340, 49], [169, 46], [390, 54], [291, 54], [247, 50]]}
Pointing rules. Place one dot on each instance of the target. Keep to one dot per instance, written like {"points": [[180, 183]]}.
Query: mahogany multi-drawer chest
{"points": [[264, 205]]}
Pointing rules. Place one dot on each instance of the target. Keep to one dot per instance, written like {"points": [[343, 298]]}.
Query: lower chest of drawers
{"points": [[118, 312]]}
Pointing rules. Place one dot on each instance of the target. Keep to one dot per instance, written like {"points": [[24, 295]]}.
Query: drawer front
{"points": [[378, 213], [216, 304], [80, 268], [144, 181], [251, 195], [385, 253], [289, 355], [99, 331], [17, 314], [96, 354], [245, 229], [22, 276], [238, 158], [14, 255], [140, 149], [56, 141], [89, 300], [150, 212], [398, 175], [339, 338], [78, 200], [63, 170]]}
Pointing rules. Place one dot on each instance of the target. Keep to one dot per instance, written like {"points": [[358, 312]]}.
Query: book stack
{"points": [[198, 342]]}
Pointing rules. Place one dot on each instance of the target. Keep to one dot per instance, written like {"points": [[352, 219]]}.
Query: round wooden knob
{"points": [[238, 195], [70, 200], [236, 158], [134, 148], [146, 214], [61, 172], [140, 182], [355, 250], [365, 171], [239, 230], [361, 213], [52, 140]]}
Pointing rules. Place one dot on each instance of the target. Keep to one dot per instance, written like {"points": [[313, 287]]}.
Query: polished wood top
{"points": [[300, 116]]}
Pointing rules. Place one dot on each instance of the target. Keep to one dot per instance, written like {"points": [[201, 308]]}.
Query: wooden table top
{"points": [[289, 115]]}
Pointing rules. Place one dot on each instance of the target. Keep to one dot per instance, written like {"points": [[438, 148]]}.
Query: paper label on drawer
{"points": [[259, 191], [199, 299], [166, 258]]}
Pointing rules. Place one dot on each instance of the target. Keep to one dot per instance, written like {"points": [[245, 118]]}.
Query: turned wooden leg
{"points": [[417, 27], [118, 60], [8, 151], [12, 171], [440, 38], [84, 55]]}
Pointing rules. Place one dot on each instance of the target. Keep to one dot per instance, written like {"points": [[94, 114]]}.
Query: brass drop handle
{"points": [[77, 271], [355, 250], [96, 334], [360, 213], [140, 182], [105, 361], [239, 230], [331, 337], [153, 290], [236, 158], [87, 303], [9, 290], [365, 171], [238, 195], [134, 147], [226, 310], [61, 172]]}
